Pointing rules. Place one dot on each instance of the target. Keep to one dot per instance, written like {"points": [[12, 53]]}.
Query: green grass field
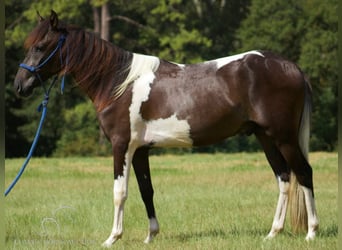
{"points": [[219, 201]]}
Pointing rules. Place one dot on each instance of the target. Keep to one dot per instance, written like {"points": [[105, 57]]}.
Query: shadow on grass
{"points": [[330, 231], [215, 233], [219, 233]]}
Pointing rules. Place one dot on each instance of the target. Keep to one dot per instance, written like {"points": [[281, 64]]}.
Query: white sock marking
{"points": [[312, 214], [120, 193], [280, 214]]}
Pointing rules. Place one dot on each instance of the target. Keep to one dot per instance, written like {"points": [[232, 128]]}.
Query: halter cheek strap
{"points": [[34, 69]]}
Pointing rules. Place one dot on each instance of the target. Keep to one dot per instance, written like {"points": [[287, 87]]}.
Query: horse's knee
{"points": [[147, 194], [120, 197], [120, 191]]}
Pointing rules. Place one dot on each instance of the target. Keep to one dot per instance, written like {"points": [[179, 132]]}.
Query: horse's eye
{"points": [[38, 48]]}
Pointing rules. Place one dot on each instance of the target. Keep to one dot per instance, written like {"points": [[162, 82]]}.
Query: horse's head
{"points": [[44, 55]]}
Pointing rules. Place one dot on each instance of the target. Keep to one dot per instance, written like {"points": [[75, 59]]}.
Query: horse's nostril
{"points": [[18, 87]]}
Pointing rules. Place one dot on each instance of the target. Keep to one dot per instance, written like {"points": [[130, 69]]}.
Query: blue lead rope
{"points": [[33, 146], [41, 108]]}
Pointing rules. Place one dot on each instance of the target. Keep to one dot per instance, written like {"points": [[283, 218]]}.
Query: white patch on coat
{"points": [[220, 62], [182, 66], [140, 93], [169, 132], [140, 65], [161, 132]]}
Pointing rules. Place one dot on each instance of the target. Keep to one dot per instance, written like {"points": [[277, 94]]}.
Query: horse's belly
{"points": [[210, 130]]}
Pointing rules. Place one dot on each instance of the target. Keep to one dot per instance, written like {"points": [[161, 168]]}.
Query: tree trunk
{"points": [[97, 20], [105, 22], [105, 35]]}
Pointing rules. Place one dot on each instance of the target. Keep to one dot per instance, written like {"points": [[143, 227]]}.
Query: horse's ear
{"points": [[40, 18], [53, 20]]}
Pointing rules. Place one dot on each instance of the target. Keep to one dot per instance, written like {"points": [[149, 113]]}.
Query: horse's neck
{"points": [[99, 68]]}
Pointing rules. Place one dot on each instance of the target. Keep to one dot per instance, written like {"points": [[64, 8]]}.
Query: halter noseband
{"points": [[34, 69]]}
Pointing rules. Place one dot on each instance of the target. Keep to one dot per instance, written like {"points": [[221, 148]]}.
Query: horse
{"points": [[144, 102]]}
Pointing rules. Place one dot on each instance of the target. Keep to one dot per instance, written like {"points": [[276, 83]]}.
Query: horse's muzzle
{"points": [[24, 88]]}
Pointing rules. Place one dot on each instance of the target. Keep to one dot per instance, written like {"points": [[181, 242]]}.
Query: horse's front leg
{"points": [[142, 172], [122, 163]]}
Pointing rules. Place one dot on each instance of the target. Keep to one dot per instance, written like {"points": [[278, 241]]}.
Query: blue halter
{"points": [[34, 69]]}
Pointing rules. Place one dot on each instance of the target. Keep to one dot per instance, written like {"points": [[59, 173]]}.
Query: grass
{"points": [[220, 201]]}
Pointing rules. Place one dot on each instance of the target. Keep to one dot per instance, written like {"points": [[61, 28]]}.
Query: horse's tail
{"points": [[299, 218]]}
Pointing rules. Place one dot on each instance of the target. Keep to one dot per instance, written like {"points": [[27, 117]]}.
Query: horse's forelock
{"points": [[40, 31], [37, 34]]}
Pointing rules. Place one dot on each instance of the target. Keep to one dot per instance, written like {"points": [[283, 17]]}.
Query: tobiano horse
{"points": [[144, 102]]}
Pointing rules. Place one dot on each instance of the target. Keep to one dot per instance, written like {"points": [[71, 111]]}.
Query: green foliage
{"points": [[13, 121], [325, 121], [81, 133], [66, 10], [272, 25], [178, 42], [318, 59]]}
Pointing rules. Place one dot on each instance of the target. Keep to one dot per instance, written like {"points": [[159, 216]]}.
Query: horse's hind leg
{"points": [[142, 172], [282, 174], [304, 213]]}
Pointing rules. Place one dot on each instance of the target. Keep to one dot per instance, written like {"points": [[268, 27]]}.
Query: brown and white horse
{"points": [[144, 102]]}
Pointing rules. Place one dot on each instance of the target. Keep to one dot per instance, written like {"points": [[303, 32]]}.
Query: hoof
{"points": [[150, 237], [110, 241], [310, 236], [271, 235], [268, 237], [312, 232]]}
